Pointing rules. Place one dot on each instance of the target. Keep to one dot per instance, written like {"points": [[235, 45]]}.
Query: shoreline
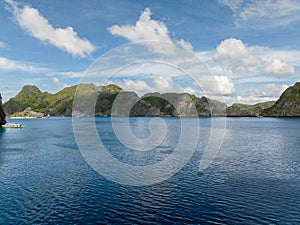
{"points": [[163, 116]]}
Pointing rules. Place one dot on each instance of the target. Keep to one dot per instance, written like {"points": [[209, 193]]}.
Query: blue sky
{"points": [[234, 51]]}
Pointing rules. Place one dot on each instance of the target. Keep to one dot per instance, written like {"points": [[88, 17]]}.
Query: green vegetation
{"points": [[99, 100], [29, 96], [111, 88], [287, 105], [57, 104], [103, 97], [263, 105]]}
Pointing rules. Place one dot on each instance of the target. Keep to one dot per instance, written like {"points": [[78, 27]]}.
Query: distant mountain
{"points": [[30, 100], [2, 114], [168, 104], [287, 105], [238, 109], [57, 104], [112, 100]]}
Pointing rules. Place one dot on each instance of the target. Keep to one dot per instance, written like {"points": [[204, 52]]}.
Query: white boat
{"points": [[13, 125]]}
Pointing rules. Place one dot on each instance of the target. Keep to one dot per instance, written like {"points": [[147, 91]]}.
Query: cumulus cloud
{"points": [[261, 14], [234, 54], [14, 65], [216, 86], [277, 67], [267, 92], [270, 90], [155, 84], [189, 90], [58, 83], [185, 44], [152, 31], [164, 84], [135, 85], [231, 54], [35, 24]]}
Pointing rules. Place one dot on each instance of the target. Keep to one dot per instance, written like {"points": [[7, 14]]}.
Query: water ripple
{"points": [[254, 179]]}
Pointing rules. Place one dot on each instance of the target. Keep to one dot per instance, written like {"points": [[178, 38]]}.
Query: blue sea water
{"points": [[255, 178]]}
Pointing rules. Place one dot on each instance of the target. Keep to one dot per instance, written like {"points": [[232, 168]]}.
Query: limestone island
{"points": [[93, 100]]}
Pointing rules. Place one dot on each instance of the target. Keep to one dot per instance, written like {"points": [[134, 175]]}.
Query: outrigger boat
{"points": [[13, 125]]}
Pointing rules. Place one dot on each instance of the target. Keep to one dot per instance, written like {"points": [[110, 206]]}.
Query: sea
{"points": [[251, 177]]}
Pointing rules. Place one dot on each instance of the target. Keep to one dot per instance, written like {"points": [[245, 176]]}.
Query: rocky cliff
{"points": [[240, 110], [58, 104], [288, 105], [128, 103], [2, 114]]}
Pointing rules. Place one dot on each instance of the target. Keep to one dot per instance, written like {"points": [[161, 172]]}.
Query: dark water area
{"points": [[254, 179]]}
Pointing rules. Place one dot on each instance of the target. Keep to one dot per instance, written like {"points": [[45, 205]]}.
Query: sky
{"points": [[244, 51]]}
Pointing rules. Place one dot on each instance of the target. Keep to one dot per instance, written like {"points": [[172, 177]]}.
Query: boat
{"points": [[13, 125]]}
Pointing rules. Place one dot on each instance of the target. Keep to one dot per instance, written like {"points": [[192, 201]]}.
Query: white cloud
{"points": [[155, 84], [234, 5], [137, 86], [2, 44], [270, 90], [232, 59], [216, 86], [261, 14], [68, 74], [152, 31], [185, 44], [13, 65], [290, 56], [267, 92], [189, 90], [59, 84], [277, 67], [234, 54], [163, 84], [35, 24]]}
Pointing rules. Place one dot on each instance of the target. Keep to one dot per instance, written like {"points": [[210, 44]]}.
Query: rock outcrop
{"points": [[61, 103], [2, 114], [29, 113], [111, 100], [244, 110], [288, 105], [108, 100]]}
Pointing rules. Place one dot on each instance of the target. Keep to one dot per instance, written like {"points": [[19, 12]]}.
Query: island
{"points": [[31, 102]]}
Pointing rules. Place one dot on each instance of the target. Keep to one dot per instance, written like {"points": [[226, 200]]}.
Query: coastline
{"points": [[162, 116]]}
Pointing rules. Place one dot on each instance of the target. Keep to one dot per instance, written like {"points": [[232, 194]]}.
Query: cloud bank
{"points": [[155, 84], [231, 61]]}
